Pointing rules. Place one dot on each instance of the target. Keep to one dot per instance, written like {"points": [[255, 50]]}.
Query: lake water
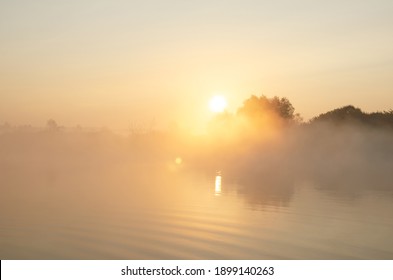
{"points": [[129, 212]]}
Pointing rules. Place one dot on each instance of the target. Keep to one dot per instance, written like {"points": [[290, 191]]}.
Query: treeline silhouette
{"points": [[264, 149], [268, 150], [257, 110], [350, 114]]}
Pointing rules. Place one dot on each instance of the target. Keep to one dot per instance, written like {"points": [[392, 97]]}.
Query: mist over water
{"points": [[303, 192], [197, 168]]}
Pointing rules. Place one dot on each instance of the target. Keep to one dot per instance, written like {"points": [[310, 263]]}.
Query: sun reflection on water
{"points": [[217, 190]]}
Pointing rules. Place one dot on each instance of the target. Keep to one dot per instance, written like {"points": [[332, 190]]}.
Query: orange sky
{"points": [[113, 63]]}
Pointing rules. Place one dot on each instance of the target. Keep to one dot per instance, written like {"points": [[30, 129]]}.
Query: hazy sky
{"points": [[113, 63]]}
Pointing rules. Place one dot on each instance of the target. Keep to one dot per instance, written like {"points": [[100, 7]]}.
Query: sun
{"points": [[217, 104]]}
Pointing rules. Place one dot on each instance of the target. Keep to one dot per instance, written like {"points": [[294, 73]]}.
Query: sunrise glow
{"points": [[217, 104]]}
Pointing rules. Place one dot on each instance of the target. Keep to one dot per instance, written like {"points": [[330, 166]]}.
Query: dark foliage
{"points": [[350, 114], [256, 107]]}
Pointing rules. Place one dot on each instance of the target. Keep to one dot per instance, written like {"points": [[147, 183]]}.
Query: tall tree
{"points": [[256, 107]]}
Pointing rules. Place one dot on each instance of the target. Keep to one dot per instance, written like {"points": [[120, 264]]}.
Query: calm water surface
{"points": [[130, 212]]}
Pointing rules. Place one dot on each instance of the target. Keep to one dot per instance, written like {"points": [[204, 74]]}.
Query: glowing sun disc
{"points": [[217, 104]]}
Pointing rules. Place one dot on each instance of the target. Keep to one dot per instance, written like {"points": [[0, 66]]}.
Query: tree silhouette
{"points": [[258, 107], [51, 125], [350, 114], [344, 114]]}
